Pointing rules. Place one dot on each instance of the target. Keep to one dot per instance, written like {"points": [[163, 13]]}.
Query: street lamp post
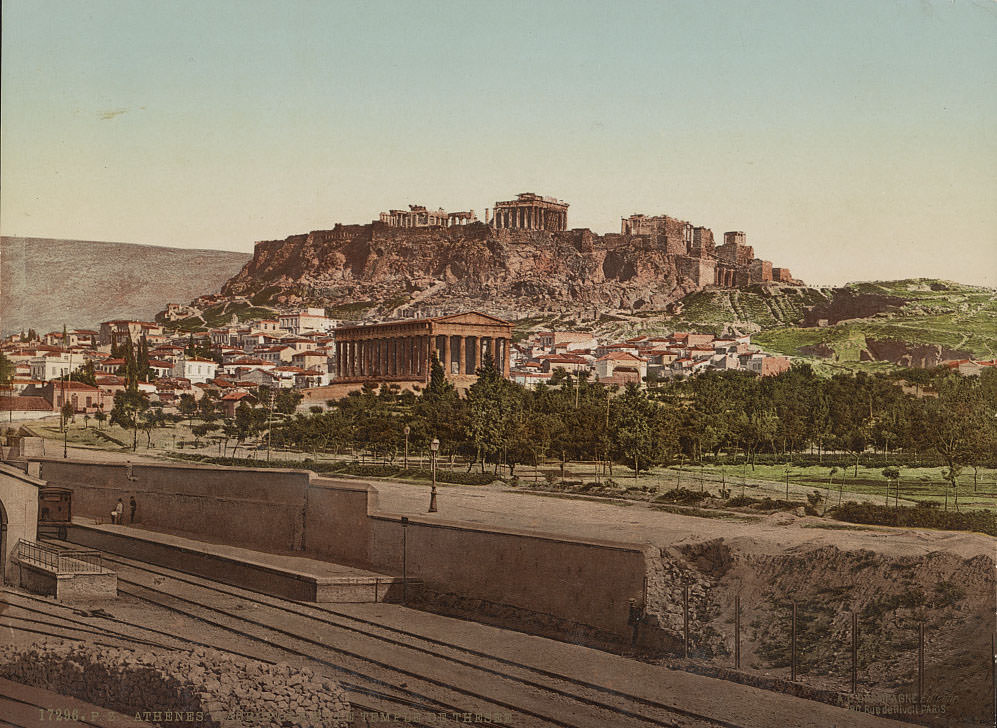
{"points": [[434, 446], [273, 398], [407, 430]]}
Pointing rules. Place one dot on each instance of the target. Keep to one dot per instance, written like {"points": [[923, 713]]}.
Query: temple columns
{"points": [[445, 361]]}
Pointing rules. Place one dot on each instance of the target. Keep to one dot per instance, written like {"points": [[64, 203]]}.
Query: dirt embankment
{"points": [[924, 356], [891, 596], [846, 304]]}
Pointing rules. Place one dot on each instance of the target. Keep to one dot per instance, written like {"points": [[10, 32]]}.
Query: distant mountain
{"points": [[46, 283]]}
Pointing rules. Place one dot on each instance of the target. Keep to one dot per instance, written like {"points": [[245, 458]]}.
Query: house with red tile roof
{"points": [[617, 362]]}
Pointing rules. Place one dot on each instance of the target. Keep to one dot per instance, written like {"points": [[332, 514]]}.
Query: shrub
{"points": [[774, 504], [813, 501], [683, 496], [947, 594], [742, 501], [918, 516]]}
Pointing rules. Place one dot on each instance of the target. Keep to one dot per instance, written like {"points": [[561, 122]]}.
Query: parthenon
{"points": [[403, 350], [418, 216], [530, 212]]}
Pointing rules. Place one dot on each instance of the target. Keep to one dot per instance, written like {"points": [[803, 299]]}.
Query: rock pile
{"points": [[203, 688]]}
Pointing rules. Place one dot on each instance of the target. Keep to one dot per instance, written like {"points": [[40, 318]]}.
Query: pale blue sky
{"points": [[850, 140]]}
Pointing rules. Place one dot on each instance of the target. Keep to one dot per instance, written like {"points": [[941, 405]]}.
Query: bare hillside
{"points": [[46, 283]]}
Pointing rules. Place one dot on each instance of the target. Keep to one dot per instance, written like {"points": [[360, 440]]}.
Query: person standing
{"points": [[118, 512], [132, 505]]}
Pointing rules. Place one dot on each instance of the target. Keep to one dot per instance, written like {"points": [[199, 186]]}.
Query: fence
{"points": [[794, 634], [83, 561]]}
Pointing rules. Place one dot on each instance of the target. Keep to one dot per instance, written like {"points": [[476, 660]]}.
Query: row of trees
{"points": [[574, 418], [578, 419]]}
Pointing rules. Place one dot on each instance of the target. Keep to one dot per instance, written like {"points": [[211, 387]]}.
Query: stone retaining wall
{"points": [[199, 689]]}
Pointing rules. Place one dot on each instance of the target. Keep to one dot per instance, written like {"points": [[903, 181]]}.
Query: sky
{"points": [[850, 140]]}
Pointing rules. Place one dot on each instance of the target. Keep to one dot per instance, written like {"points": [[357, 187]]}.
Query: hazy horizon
{"points": [[851, 141]]}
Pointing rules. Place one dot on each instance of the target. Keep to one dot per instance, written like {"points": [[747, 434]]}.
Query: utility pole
{"points": [[65, 401], [407, 430], [273, 399]]}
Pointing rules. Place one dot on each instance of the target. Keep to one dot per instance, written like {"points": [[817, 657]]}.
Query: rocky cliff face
{"points": [[499, 271]]}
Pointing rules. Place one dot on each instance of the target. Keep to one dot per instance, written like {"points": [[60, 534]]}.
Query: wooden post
{"points": [[855, 650], [792, 666], [685, 620], [737, 633], [920, 664], [404, 560]]}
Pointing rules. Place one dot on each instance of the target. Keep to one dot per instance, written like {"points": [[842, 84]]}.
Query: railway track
{"points": [[490, 684], [26, 711], [362, 698]]}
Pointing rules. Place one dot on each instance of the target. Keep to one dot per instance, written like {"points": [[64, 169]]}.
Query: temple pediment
{"points": [[472, 317]]}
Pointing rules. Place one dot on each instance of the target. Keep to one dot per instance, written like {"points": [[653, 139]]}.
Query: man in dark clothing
{"points": [[132, 505]]}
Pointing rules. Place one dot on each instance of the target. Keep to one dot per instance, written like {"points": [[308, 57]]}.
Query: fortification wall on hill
{"points": [[512, 268]]}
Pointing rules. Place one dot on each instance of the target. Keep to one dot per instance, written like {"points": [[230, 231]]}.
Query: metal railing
{"points": [[82, 561]]}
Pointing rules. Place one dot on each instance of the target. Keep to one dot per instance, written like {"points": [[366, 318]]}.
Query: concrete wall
{"points": [[68, 587], [581, 581], [257, 508], [587, 582], [19, 500], [336, 523]]}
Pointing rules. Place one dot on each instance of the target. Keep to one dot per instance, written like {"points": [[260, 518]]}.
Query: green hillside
{"points": [[951, 315], [859, 319]]}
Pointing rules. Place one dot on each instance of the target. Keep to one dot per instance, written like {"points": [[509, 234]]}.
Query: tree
{"points": [[955, 419], [128, 405], [65, 413], [285, 401], [203, 430], [490, 404], [207, 407], [248, 422], [152, 418], [86, 373], [7, 370], [188, 407], [142, 369], [631, 436], [892, 473], [438, 412]]}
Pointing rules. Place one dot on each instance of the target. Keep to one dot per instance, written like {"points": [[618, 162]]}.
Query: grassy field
{"points": [[917, 485], [925, 485]]}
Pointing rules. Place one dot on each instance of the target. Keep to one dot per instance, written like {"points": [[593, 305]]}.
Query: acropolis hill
{"points": [[521, 259]]}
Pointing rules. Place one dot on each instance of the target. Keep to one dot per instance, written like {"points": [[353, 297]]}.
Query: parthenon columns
{"points": [[529, 218]]}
